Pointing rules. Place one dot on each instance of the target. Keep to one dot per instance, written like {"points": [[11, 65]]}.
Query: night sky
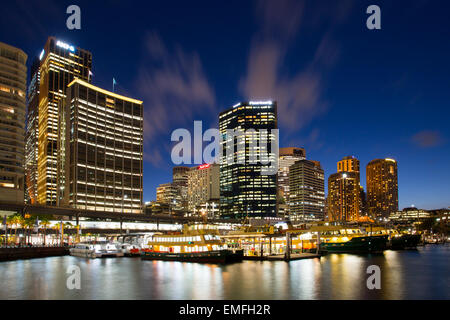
{"points": [[341, 89]]}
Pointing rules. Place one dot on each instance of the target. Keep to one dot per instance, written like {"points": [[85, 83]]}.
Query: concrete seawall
{"points": [[8, 254]]}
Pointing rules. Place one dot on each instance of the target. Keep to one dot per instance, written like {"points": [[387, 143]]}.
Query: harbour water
{"points": [[417, 274]]}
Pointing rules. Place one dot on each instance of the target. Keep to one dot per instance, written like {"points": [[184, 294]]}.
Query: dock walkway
{"points": [[282, 257]]}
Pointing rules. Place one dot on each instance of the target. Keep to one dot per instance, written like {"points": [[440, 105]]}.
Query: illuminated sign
{"points": [[260, 102], [65, 46], [42, 55], [204, 166]]}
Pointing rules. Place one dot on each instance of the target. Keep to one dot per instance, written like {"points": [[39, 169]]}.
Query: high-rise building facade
{"points": [[343, 197], [60, 64], [100, 150], [180, 182], [382, 187], [287, 157], [248, 188], [203, 186], [13, 82], [307, 191], [32, 133], [348, 164]]}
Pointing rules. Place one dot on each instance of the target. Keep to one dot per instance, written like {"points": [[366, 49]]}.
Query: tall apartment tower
{"points": [[100, 150], [247, 188], [13, 83], [60, 63], [307, 191], [32, 133], [382, 187], [287, 157], [348, 164], [343, 197]]}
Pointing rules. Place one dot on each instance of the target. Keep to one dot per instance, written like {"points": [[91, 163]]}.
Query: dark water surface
{"points": [[418, 274]]}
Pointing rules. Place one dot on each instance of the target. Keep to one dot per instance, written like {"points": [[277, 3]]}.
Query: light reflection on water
{"points": [[421, 274]]}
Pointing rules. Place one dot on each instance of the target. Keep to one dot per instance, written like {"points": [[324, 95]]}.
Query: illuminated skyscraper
{"points": [[382, 187], [60, 64], [348, 164], [343, 196], [13, 82], [180, 182], [246, 188], [307, 191], [287, 157], [32, 132], [100, 150]]}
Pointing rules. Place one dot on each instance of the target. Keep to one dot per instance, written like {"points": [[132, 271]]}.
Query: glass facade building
{"points": [[100, 150], [60, 63], [246, 190], [32, 133]]}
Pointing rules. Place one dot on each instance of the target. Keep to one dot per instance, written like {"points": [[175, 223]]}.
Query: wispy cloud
{"points": [[175, 89], [300, 93], [428, 139]]}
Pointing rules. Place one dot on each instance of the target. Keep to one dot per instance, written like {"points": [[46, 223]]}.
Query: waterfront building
{"points": [[13, 82], [410, 215], [343, 197], [166, 193], [246, 190], [100, 150], [203, 188], [307, 191], [287, 157], [32, 133], [60, 63], [382, 187]]}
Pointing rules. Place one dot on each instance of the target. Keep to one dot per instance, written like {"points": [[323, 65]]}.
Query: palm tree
{"points": [[45, 222], [28, 224], [16, 220]]}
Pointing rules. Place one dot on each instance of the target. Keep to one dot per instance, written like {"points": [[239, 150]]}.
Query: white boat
{"points": [[97, 249]]}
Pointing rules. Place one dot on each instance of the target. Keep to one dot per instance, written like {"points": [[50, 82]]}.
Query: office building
{"points": [[382, 187], [307, 191], [180, 182], [13, 83], [248, 188], [287, 157], [60, 63], [32, 133], [100, 150]]}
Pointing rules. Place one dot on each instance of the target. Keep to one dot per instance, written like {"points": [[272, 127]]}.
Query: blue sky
{"points": [[342, 89]]}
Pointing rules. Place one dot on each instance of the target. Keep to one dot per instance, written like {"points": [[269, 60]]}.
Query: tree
{"points": [[28, 224], [45, 223]]}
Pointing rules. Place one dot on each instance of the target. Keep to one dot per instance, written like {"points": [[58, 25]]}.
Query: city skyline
{"points": [[408, 127]]}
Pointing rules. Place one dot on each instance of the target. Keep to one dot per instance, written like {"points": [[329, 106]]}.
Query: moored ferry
{"points": [[343, 239], [197, 243], [397, 240]]}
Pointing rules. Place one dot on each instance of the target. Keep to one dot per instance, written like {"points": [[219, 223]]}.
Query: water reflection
{"points": [[421, 274]]}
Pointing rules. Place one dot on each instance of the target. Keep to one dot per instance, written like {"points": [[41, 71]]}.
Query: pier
{"points": [[16, 253]]}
